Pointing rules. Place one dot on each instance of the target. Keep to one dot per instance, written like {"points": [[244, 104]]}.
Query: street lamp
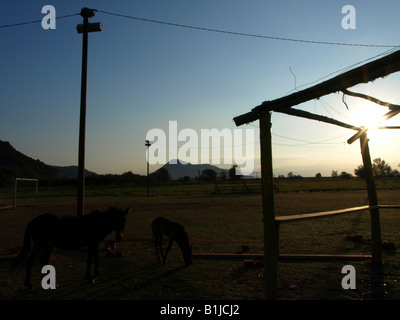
{"points": [[84, 28], [148, 144]]}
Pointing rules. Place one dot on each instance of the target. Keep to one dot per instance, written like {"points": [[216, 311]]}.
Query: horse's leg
{"points": [[157, 251], [44, 260], [158, 244], [89, 264], [96, 259], [166, 251], [29, 264]]}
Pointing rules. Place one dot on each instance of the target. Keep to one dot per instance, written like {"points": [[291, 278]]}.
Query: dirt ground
{"points": [[139, 276]]}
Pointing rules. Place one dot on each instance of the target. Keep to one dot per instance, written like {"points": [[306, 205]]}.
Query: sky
{"points": [[144, 75]]}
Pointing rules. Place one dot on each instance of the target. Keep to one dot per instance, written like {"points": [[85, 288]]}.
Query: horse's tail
{"points": [[26, 246]]}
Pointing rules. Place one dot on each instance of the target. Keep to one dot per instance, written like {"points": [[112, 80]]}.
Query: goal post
{"points": [[35, 189]]}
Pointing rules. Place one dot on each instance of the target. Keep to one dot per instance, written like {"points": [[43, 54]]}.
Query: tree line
{"points": [[380, 169]]}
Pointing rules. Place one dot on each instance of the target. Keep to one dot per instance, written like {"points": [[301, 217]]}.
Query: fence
{"points": [[324, 214]]}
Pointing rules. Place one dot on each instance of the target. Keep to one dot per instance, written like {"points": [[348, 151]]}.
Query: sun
{"points": [[375, 116], [371, 117]]}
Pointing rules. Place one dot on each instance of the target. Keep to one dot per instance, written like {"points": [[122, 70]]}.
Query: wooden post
{"points": [[82, 123], [373, 202], [376, 263], [270, 237]]}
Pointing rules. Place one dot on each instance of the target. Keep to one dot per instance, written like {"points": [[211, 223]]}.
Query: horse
{"points": [[69, 233], [175, 232]]}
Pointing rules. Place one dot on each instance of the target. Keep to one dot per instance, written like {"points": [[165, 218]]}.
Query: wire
{"points": [[35, 21], [295, 79], [309, 142], [215, 30], [247, 34], [342, 70]]}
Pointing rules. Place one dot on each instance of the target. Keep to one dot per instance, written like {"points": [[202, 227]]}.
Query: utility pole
{"points": [[148, 144], [84, 28]]}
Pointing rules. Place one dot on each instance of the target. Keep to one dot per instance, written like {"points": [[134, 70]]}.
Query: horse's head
{"points": [[120, 220]]}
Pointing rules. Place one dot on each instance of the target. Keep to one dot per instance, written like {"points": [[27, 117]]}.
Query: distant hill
{"points": [[70, 172], [15, 164], [182, 169]]}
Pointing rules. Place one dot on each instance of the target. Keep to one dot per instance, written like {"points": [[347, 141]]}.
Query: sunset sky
{"points": [[143, 74]]}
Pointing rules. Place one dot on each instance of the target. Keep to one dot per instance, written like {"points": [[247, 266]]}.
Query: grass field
{"points": [[217, 223]]}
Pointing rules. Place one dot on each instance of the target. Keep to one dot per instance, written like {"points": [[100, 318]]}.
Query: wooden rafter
{"points": [[312, 116], [363, 74], [372, 99]]}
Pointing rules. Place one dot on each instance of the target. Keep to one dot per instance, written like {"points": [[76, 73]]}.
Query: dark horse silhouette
{"points": [[175, 232], [70, 233]]}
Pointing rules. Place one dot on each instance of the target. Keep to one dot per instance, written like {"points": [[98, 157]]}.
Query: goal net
{"points": [[19, 192]]}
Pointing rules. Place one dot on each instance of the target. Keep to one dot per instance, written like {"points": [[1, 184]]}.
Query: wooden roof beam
{"points": [[372, 99], [363, 74], [312, 116]]}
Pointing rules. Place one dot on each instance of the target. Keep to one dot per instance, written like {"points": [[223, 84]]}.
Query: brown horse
{"points": [[175, 232], [70, 233]]}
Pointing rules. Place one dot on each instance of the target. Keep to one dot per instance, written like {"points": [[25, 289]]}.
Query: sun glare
{"points": [[371, 117], [367, 114], [371, 120]]}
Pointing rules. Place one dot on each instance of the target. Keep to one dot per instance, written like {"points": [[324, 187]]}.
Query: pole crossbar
{"points": [[15, 189]]}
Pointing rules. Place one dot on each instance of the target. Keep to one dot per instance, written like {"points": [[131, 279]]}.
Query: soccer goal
{"points": [[25, 192]]}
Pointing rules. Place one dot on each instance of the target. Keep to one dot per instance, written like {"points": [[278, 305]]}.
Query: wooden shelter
{"points": [[363, 74]]}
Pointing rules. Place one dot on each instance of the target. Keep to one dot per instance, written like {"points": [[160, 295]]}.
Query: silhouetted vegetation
{"points": [[380, 168]]}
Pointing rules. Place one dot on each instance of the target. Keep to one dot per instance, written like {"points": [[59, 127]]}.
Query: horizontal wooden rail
{"points": [[389, 206], [229, 255], [301, 256], [315, 215]]}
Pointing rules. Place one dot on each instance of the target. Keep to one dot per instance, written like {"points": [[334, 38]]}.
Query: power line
{"points": [[214, 30], [246, 34], [310, 142], [342, 70], [304, 142], [35, 21]]}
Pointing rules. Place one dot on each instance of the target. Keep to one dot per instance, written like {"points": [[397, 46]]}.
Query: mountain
{"points": [[15, 164], [182, 169], [70, 172]]}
